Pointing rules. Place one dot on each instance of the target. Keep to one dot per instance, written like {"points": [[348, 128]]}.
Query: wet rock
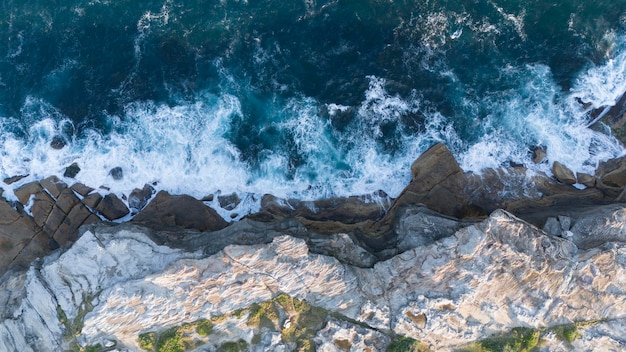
{"points": [[586, 179], [173, 212], [600, 225], [229, 202], [437, 182], [72, 170], [24, 192], [67, 231], [81, 189], [57, 142], [54, 220], [10, 180], [42, 206], [563, 173], [208, 198], [117, 173], [346, 210], [552, 227], [111, 207], [539, 154], [138, 198], [53, 185], [92, 200], [67, 200], [612, 172]]}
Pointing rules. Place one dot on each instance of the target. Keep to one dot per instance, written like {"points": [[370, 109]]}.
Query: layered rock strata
{"points": [[115, 285]]}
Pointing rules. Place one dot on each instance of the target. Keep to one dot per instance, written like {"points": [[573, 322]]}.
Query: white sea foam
{"points": [[185, 148]]}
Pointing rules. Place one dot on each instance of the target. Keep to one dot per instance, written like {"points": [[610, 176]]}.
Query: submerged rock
{"points": [[229, 202], [72, 170], [138, 198], [57, 142], [117, 173]]}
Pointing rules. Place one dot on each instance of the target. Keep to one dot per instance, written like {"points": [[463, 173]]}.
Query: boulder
{"points": [[92, 200], [171, 212], [539, 154], [563, 174], [229, 202], [437, 181], [613, 172], [138, 198], [71, 171], [57, 142], [13, 179], [117, 173], [111, 207], [586, 179]]}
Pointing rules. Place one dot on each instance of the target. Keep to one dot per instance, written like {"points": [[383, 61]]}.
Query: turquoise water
{"points": [[304, 98]]}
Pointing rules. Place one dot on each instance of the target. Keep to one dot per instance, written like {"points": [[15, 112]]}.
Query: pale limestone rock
{"points": [[344, 336], [486, 278]]}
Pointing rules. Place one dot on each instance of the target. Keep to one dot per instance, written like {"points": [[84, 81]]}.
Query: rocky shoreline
{"points": [[378, 267]]}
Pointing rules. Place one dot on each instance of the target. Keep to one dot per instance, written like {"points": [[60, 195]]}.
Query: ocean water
{"points": [[302, 99]]}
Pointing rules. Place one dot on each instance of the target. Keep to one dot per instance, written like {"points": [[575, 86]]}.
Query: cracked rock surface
{"points": [[117, 283]]}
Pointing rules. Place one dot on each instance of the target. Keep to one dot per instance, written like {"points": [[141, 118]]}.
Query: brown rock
{"points": [[42, 206], [24, 192], [438, 182], [111, 207], [169, 212], [616, 178], [92, 200], [68, 230], [436, 161], [138, 198], [10, 180], [57, 142], [586, 179], [67, 200], [19, 241], [539, 154], [81, 189], [563, 174], [229, 202], [117, 173], [54, 220], [348, 210], [53, 185], [72, 170]]}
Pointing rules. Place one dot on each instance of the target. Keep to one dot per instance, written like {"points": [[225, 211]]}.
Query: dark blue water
{"points": [[310, 98]]}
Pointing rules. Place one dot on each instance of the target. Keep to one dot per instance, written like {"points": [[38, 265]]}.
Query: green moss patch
{"points": [[406, 344], [518, 340], [236, 346]]}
